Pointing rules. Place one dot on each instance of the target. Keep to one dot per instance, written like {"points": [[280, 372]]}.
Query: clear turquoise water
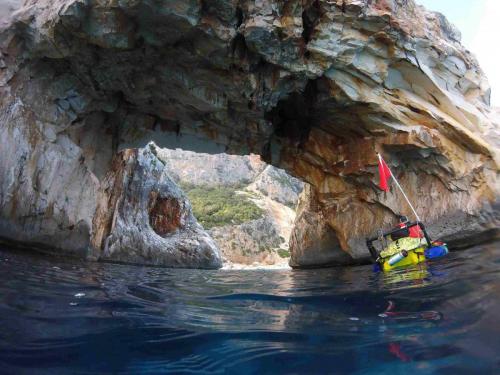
{"points": [[67, 317]]}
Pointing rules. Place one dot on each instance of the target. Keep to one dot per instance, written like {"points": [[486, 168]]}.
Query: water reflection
{"points": [[61, 316]]}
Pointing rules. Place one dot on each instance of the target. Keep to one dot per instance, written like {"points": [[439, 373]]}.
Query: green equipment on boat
{"points": [[404, 251]]}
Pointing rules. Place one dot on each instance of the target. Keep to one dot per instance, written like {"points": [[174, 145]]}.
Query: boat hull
{"points": [[416, 256]]}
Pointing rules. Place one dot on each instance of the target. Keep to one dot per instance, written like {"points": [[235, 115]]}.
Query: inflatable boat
{"points": [[401, 250]]}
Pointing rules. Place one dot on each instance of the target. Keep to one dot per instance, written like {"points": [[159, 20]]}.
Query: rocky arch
{"points": [[315, 87]]}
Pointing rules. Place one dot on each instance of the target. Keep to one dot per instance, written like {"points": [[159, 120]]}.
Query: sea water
{"points": [[60, 316]]}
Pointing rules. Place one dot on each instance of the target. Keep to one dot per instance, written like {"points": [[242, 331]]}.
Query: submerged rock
{"points": [[143, 217], [315, 87]]}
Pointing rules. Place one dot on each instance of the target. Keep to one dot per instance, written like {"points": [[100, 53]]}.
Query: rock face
{"points": [[143, 217], [7, 8], [315, 87], [200, 169], [312, 239], [278, 185]]}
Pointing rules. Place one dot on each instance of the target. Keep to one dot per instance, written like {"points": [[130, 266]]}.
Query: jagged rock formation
{"points": [[315, 87], [143, 217]]}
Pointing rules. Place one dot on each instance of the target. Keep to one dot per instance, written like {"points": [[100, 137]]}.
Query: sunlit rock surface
{"points": [[315, 87]]}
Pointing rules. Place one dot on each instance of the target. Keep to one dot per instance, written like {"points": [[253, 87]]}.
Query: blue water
{"points": [[67, 317]]}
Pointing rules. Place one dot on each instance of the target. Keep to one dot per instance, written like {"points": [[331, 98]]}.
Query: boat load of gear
{"points": [[409, 244]]}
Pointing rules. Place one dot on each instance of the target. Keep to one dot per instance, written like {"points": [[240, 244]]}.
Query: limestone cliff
{"points": [[315, 87]]}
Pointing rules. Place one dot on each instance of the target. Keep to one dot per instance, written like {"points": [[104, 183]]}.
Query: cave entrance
{"points": [[247, 206]]}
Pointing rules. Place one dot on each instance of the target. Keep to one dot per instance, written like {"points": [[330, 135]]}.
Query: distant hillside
{"points": [[247, 206]]}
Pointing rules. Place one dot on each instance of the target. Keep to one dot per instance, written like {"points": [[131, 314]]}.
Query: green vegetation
{"points": [[216, 207], [283, 253]]}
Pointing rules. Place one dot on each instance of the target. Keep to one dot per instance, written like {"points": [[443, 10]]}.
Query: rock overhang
{"points": [[315, 87]]}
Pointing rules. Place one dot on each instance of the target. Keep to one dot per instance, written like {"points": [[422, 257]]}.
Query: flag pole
{"points": [[400, 188]]}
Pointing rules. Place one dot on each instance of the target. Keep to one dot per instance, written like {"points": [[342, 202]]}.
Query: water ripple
{"points": [[64, 316]]}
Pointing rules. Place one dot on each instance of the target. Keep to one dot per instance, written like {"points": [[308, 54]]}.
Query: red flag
{"points": [[384, 174]]}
